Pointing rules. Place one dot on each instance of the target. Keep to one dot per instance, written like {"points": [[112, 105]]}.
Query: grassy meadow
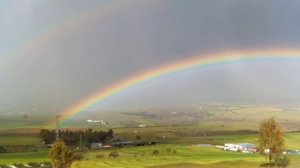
{"points": [[213, 125]]}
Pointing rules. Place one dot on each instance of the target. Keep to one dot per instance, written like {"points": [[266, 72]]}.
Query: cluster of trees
{"points": [[73, 137]]}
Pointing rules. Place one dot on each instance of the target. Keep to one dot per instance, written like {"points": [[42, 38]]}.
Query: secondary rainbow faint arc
{"points": [[192, 62], [61, 30]]}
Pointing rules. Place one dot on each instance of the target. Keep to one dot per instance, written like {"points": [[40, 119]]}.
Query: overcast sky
{"points": [[55, 53]]}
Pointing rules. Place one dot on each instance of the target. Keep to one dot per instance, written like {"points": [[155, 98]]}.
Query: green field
{"points": [[187, 155], [143, 157], [26, 157], [19, 140], [214, 125]]}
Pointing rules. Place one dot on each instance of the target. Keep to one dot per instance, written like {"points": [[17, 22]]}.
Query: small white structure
{"points": [[232, 147], [142, 126], [243, 147], [96, 145], [106, 146], [96, 122], [267, 151]]}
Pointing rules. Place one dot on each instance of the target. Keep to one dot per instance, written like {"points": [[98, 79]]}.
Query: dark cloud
{"points": [[143, 35]]}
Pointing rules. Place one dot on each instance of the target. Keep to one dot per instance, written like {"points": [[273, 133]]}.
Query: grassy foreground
{"points": [[185, 156], [26, 157]]}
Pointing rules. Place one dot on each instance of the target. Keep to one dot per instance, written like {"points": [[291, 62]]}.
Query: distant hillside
{"points": [[223, 116]]}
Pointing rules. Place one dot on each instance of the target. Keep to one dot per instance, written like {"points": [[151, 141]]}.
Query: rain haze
{"points": [[55, 53]]}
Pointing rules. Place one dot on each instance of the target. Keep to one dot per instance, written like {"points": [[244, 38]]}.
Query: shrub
{"points": [[19, 165], [282, 161], [100, 156], [113, 154], [143, 153], [169, 150], [174, 152], [155, 152], [267, 165], [33, 164], [4, 166], [2, 149], [46, 164], [77, 156]]}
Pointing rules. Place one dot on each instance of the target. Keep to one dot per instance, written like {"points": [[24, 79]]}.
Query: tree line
{"points": [[73, 137]]}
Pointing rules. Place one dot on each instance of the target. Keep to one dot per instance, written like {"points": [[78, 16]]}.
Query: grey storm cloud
{"points": [[141, 35]]}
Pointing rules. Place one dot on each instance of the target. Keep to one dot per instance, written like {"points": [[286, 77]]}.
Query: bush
{"points": [[174, 152], [19, 165], [46, 164], [99, 156], [33, 164], [155, 152], [77, 156], [169, 150], [4, 166], [282, 161], [2, 149], [267, 165], [113, 154]]}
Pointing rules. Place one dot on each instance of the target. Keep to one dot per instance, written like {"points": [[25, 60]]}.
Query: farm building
{"points": [[243, 147], [96, 145], [123, 143]]}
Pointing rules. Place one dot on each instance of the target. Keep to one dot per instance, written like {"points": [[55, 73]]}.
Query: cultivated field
{"points": [[213, 125]]}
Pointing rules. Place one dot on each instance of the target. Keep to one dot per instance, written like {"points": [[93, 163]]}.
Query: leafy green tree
{"points": [[61, 155], [271, 141]]}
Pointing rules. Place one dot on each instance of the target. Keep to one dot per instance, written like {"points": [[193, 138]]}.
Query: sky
{"points": [[55, 53]]}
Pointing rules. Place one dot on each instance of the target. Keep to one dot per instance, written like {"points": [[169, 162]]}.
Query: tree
{"points": [[271, 141], [113, 154], [109, 134], [47, 136], [61, 155], [138, 137], [25, 116]]}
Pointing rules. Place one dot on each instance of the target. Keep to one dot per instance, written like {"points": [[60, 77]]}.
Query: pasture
{"points": [[186, 154], [214, 125]]}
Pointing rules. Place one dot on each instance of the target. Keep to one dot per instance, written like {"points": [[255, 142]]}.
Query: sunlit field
{"points": [[187, 153], [178, 148]]}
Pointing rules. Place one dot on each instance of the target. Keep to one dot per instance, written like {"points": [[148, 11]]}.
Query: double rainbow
{"points": [[101, 13], [196, 61]]}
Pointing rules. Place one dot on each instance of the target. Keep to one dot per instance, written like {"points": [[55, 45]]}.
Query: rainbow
{"points": [[159, 72]]}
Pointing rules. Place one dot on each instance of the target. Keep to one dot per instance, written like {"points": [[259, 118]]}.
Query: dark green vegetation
{"points": [[174, 129], [73, 137]]}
